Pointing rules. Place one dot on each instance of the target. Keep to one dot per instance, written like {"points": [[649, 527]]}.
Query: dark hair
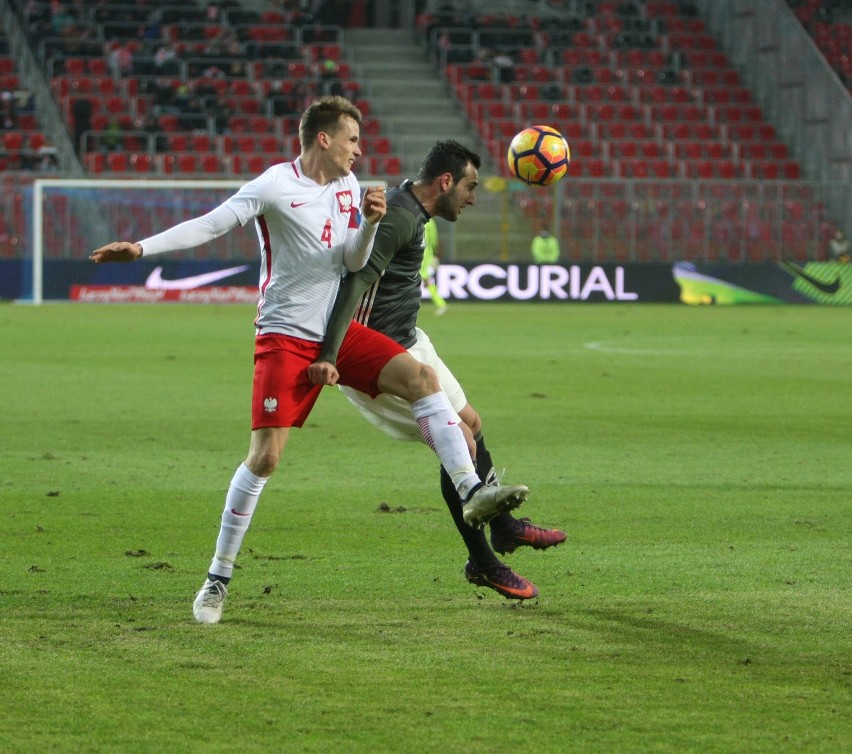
{"points": [[447, 157], [324, 114]]}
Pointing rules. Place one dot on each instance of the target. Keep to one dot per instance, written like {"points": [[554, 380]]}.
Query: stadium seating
{"points": [[208, 95], [830, 25], [625, 96]]}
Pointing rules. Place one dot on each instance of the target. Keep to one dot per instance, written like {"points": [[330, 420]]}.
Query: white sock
{"points": [[442, 433], [240, 503]]}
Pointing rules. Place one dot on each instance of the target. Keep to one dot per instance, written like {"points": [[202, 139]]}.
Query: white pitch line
{"points": [[605, 348]]}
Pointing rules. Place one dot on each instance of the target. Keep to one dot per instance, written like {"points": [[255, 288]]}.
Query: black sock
{"points": [[481, 554], [484, 464], [484, 467]]}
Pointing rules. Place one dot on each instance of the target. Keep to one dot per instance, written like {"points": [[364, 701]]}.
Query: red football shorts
{"points": [[282, 394]]}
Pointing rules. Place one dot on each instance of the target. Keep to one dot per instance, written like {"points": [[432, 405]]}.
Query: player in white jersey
{"points": [[310, 231]]}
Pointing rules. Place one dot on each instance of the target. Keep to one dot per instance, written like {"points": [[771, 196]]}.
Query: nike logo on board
{"points": [[155, 280], [829, 288]]}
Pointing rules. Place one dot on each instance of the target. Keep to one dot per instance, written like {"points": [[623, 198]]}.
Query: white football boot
{"points": [[209, 602]]}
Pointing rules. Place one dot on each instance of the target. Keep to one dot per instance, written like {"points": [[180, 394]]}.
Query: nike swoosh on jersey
{"points": [[829, 288], [297, 204], [155, 280]]}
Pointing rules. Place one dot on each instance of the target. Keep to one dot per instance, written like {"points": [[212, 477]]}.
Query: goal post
{"points": [[73, 216]]}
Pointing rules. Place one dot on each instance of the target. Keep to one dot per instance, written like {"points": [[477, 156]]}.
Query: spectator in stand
{"points": [[166, 60], [193, 116], [183, 95], [221, 114], [47, 158], [330, 82], [236, 67], [81, 111], [111, 136], [153, 30], [286, 101], [503, 67], [8, 110], [120, 58], [158, 138], [838, 247], [165, 97], [551, 92], [62, 20]]}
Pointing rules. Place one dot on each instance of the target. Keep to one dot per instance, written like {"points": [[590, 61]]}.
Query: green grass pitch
{"points": [[700, 459]]}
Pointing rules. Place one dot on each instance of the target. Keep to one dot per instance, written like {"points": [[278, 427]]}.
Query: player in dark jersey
{"points": [[385, 295]]}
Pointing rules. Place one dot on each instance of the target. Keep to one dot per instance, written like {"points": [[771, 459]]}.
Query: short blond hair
{"points": [[324, 114]]}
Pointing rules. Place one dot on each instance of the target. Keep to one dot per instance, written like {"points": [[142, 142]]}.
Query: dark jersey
{"points": [[385, 294]]}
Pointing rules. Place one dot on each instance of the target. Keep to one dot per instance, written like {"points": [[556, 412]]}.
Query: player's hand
{"points": [[323, 373], [373, 205], [118, 251]]}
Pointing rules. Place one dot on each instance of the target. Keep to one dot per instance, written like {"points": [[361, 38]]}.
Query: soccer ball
{"points": [[539, 155]]}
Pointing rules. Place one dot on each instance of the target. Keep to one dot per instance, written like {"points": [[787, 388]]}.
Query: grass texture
{"points": [[698, 457]]}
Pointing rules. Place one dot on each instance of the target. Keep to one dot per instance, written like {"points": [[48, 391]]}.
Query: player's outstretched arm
{"points": [[118, 251]]}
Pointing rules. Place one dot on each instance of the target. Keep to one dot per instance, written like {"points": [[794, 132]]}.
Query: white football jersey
{"points": [[301, 227]]}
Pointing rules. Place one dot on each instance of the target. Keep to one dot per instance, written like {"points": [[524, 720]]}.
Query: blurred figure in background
{"points": [[429, 268], [838, 247], [545, 247]]}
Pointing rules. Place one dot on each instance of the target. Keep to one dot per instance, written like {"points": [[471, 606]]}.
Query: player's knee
{"points": [[263, 461], [408, 379], [423, 381]]}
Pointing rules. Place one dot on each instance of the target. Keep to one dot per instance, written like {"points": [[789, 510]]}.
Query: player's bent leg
{"points": [[408, 378], [442, 432]]}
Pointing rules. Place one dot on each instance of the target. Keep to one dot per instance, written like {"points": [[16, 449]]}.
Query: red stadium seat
{"points": [[791, 170], [660, 169], [13, 141], [177, 142], [391, 165], [209, 163], [116, 162], [201, 143], [142, 162], [94, 162], [267, 144]]}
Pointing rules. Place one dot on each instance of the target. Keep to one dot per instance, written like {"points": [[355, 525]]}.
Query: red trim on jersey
{"points": [[295, 169], [267, 245]]}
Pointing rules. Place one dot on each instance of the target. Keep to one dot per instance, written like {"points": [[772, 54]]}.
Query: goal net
{"points": [[71, 217]]}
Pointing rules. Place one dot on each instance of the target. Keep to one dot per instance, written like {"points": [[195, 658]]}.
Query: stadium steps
{"points": [[416, 109], [405, 92]]}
